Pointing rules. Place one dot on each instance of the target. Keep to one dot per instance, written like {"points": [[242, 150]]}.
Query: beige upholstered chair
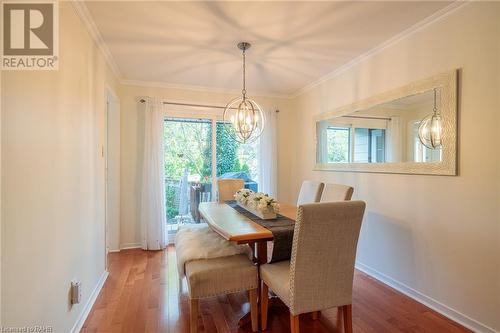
{"points": [[226, 188], [310, 192], [224, 275], [336, 192], [320, 272]]}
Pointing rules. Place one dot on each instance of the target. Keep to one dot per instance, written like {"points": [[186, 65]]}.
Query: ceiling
{"points": [[293, 43]]}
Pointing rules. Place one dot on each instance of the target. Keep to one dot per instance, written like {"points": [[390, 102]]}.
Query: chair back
{"points": [[226, 188], [310, 192], [336, 192], [323, 255]]}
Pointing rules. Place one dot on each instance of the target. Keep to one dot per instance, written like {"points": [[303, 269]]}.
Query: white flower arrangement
{"points": [[242, 195], [257, 200]]}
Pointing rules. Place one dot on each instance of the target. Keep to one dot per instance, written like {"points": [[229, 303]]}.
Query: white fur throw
{"points": [[198, 241]]}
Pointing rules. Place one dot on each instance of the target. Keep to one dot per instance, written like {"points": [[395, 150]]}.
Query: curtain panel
{"points": [[152, 210], [268, 155]]}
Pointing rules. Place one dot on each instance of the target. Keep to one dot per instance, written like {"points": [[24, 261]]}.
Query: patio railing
{"points": [[182, 201]]}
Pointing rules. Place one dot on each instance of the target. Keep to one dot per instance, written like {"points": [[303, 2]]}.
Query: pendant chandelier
{"points": [[243, 118], [430, 129]]}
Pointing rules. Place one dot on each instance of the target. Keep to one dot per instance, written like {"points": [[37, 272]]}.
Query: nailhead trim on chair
{"points": [[296, 232]]}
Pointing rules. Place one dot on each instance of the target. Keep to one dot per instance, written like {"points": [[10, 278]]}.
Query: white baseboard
{"points": [[435, 305], [127, 246], [86, 310]]}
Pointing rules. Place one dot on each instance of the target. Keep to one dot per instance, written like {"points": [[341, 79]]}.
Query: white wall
{"points": [[132, 124], [437, 235], [53, 182]]}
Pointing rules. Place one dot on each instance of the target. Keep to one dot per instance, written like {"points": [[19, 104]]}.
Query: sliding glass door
{"points": [[188, 163], [236, 160], [196, 149]]}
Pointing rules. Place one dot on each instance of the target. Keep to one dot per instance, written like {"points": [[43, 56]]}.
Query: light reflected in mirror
{"points": [[385, 133]]}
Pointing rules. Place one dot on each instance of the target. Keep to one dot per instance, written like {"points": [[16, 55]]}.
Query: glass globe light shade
{"points": [[243, 119], [430, 131]]}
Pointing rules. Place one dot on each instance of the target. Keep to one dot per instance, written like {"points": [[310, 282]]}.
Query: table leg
{"points": [[261, 253]]}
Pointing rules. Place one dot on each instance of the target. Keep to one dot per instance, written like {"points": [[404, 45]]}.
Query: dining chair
{"points": [[310, 192], [226, 188], [336, 192], [320, 273], [223, 275]]}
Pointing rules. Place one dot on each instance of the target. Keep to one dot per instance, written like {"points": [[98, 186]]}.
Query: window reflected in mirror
{"points": [[385, 133]]}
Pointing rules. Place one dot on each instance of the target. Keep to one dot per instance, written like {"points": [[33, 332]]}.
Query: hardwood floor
{"points": [[142, 295]]}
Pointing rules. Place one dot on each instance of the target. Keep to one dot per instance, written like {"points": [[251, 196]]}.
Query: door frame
{"points": [[110, 98]]}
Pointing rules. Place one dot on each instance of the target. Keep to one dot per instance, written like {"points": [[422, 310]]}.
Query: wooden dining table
{"points": [[235, 227]]}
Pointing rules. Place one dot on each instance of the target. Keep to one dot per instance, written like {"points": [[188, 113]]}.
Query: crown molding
{"points": [[197, 88], [429, 20], [84, 14]]}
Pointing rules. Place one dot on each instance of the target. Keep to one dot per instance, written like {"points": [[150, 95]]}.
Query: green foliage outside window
{"points": [[171, 208], [188, 146], [338, 145], [226, 154]]}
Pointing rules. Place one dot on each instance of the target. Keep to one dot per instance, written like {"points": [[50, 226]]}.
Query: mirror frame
{"points": [[447, 82]]}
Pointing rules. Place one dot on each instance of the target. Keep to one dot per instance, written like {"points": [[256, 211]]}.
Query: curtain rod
{"points": [[362, 117], [142, 100]]}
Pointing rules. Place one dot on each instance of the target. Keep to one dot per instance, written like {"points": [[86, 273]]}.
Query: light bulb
{"points": [[436, 131]]}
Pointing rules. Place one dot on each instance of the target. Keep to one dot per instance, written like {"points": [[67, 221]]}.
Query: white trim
{"points": [[86, 310], [84, 14], [167, 85], [110, 97], [112, 92], [435, 17], [127, 246], [428, 301]]}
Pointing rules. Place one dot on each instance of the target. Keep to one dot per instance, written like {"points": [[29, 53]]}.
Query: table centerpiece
{"points": [[257, 203]]}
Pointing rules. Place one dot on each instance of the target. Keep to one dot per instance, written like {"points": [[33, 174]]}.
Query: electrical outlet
{"points": [[76, 292]]}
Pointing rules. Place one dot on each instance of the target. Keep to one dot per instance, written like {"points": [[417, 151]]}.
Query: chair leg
{"points": [[193, 316], [315, 315], [340, 316], [347, 311], [294, 323], [264, 303], [254, 310]]}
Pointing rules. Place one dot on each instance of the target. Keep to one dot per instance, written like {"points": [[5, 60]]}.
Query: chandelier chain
{"points": [[244, 91], [435, 104]]}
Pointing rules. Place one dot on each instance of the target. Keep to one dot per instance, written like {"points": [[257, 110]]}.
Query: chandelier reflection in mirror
{"points": [[243, 118], [430, 129]]}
